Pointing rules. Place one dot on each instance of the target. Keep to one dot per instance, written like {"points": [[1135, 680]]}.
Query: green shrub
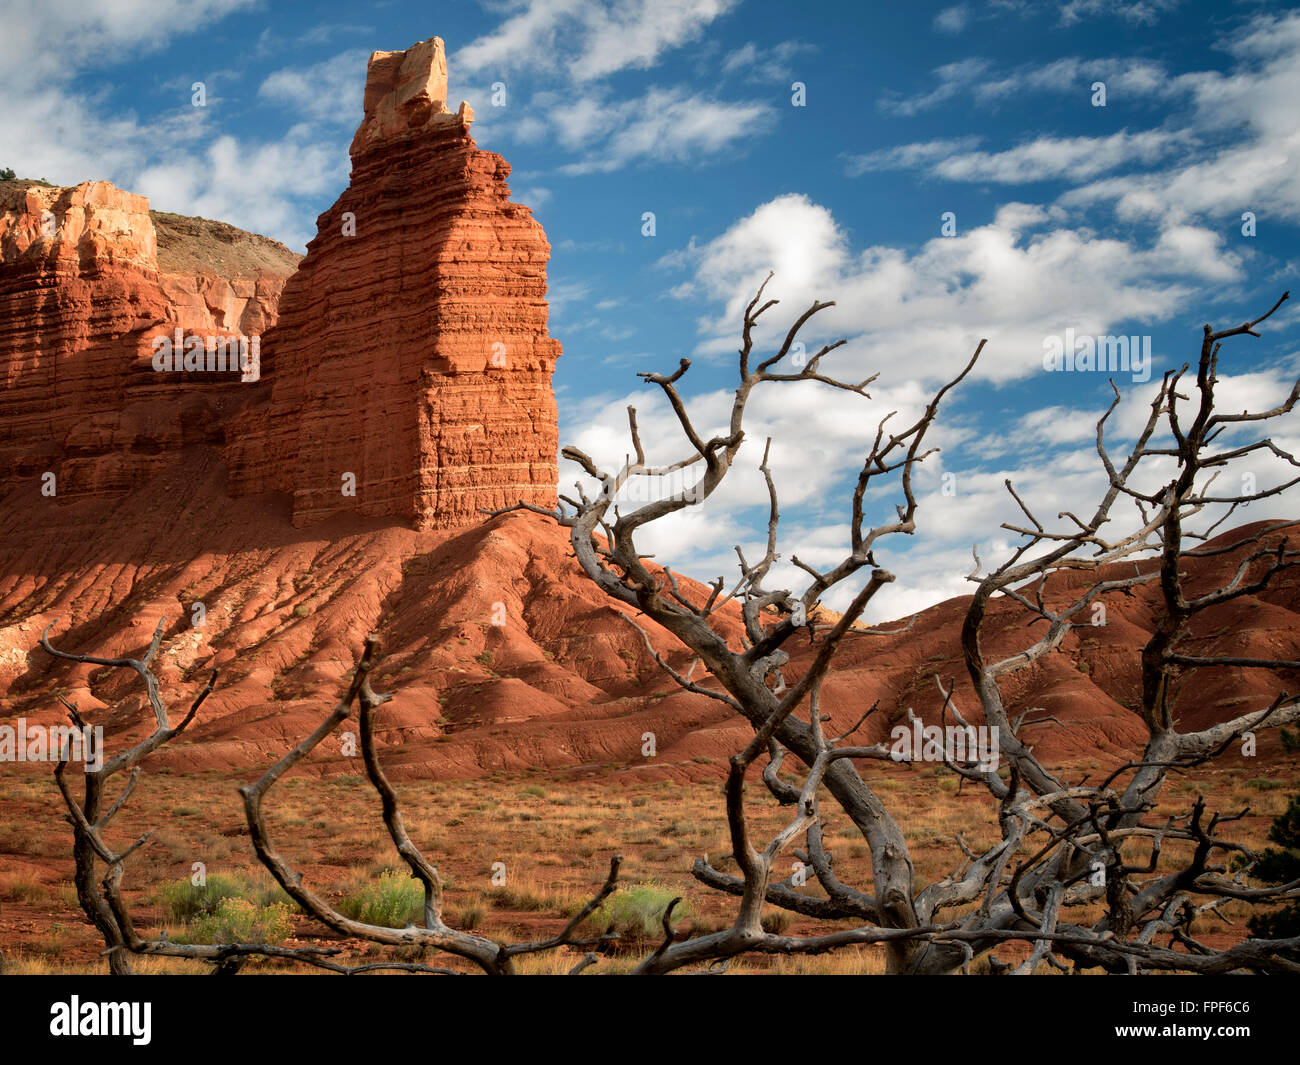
{"points": [[1281, 866], [237, 920], [395, 900], [183, 901], [637, 912]]}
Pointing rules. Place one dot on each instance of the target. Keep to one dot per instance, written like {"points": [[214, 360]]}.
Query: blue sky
{"points": [[1122, 219]]}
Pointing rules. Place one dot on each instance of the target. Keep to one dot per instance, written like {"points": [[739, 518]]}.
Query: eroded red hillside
{"points": [[562, 683]]}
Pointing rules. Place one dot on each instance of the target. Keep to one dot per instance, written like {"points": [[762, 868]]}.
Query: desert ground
{"points": [[554, 832]]}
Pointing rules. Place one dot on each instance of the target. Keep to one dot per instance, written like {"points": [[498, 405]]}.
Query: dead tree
{"points": [[1055, 837], [1090, 832], [104, 904]]}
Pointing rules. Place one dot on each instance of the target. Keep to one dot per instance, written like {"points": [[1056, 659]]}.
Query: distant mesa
{"points": [[88, 276]]}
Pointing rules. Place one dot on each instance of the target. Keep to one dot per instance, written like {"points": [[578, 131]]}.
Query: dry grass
{"points": [[554, 859], [21, 887]]}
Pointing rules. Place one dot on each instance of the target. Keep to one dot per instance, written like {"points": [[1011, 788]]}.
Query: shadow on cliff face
{"points": [[170, 518]]}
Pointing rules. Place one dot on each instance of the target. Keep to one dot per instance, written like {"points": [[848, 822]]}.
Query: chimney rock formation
{"points": [[411, 350]]}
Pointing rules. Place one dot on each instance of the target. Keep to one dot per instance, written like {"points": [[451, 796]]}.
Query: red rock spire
{"points": [[412, 350]]}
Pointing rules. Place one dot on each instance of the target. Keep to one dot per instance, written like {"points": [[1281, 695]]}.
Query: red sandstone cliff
{"points": [[409, 375], [412, 348], [87, 278]]}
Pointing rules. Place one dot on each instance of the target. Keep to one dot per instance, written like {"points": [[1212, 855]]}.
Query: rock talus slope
{"points": [[499, 653]]}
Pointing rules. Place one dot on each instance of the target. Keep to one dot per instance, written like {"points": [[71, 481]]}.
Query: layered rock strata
{"points": [[410, 371], [87, 281]]}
